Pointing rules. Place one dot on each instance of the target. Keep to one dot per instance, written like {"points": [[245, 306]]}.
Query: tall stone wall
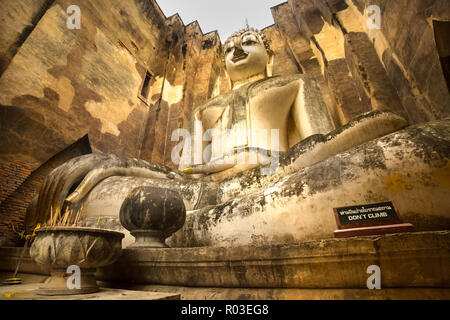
{"points": [[406, 46], [63, 84], [193, 73], [17, 20], [396, 67]]}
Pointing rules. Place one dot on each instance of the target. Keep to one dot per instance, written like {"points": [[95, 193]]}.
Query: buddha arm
{"points": [[208, 133], [98, 174], [90, 169], [309, 111]]}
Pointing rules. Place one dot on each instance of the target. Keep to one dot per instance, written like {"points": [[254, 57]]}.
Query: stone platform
{"points": [[413, 266], [190, 293], [418, 259]]}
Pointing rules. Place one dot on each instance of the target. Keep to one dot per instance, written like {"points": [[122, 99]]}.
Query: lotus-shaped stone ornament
{"points": [[85, 248]]}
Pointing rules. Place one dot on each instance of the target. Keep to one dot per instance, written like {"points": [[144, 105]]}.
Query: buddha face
{"points": [[245, 56]]}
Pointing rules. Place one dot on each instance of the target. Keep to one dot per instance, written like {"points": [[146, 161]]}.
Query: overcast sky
{"points": [[225, 16]]}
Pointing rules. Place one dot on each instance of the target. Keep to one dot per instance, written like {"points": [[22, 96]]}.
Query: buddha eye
{"points": [[229, 47], [249, 40]]}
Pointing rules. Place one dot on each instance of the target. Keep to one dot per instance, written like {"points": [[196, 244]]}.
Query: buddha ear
{"points": [[269, 66], [230, 82]]}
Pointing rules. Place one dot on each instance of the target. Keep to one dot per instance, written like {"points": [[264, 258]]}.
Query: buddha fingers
{"points": [[208, 168], [97, 175]]}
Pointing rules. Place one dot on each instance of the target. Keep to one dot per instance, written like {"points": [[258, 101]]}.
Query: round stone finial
{"points": [[152, 214]]}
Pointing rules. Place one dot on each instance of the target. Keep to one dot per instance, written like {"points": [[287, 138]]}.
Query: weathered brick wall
{"points": [[12, 174], [14, 205], [63, 84], [17, 19], [368, 70], [350, 101], [412, 55], [406, 46]]}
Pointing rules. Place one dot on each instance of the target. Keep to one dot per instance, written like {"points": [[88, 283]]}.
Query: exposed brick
{"points": [[350, 98], [12, 174], [367, 68], [15, 203]]}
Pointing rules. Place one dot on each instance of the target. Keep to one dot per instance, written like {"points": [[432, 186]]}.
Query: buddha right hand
{"points": [[90, 169], [58, 183]]}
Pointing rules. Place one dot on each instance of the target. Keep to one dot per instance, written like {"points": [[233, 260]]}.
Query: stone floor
{"points": [[28, 292], [30, 283]]}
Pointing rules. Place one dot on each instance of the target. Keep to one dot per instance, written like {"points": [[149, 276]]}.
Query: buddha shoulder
{"points": [[254, 88], [296, 80], [218, 101]]}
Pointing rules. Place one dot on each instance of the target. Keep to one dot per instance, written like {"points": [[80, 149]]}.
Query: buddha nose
{"points": [[238, 50]]}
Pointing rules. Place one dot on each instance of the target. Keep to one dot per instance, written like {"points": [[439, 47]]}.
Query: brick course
{"points": [[19, 186]]}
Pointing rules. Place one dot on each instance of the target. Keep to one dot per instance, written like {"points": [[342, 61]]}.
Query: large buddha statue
{"points": [[233, 202], [259, 109]]}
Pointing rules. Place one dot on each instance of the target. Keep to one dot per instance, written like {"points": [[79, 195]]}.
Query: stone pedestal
{"points": [[371, 231], [152, 214], [149, 239], [56, 284]]}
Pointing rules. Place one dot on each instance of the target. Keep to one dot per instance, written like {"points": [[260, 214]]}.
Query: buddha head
{"points": [[247, 55]]}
